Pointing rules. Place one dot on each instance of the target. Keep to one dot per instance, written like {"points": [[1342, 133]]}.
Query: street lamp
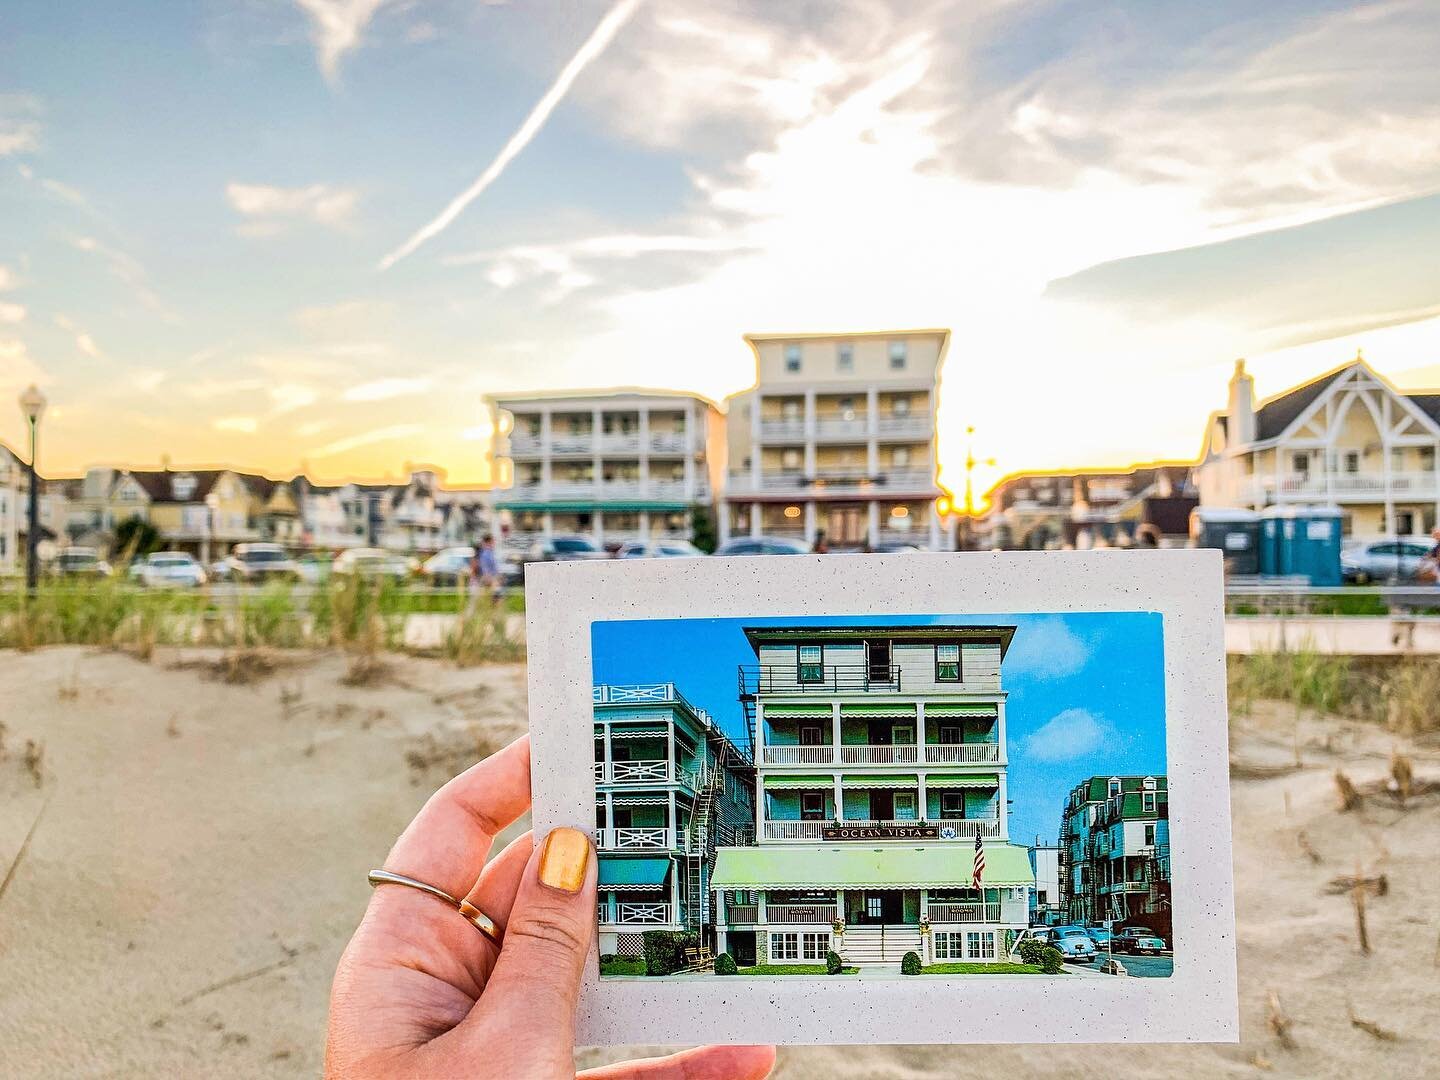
{"points": [[32, 407], [970, 464]]}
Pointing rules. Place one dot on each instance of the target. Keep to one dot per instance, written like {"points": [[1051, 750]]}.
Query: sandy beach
{"points": [[200, 854]]}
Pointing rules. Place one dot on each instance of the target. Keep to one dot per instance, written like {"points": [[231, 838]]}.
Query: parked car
{"points": [[1137, 939], [1100, 936], [314, 568], [81, 562], [896, 547], [373, 563], [1074, 944], [256, 563], [1390, 559], [658, 549], [762, 545], [448, 568], [564, 549], [171, 569]]}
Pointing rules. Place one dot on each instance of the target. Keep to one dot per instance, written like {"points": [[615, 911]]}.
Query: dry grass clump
{"points": [[1411, 695], [367, 667], [1402, 693], [450, 752], [1278, 1023], [482, 636]]}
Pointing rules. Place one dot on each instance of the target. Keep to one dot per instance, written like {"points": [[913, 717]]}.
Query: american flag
{"points": [[979, 863]]}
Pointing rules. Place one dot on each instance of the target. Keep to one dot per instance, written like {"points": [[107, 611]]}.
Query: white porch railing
{"points": [[633, 838], [799, 913], [948, 753], [959, 913], [742, 913], [635, 914], [970, 828], [879, 755], [793, 830], [799, 755], [639, 772]]}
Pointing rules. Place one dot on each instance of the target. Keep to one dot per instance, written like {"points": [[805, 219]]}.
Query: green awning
{"points": [[805, 780], [629, 731], [878, 780], [878, 711], [818, 711], [842, 865], [940, 711], [975, 780], [620, 873]]}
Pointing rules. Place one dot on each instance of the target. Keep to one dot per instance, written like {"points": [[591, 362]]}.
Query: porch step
{"points": [[872, 946]]}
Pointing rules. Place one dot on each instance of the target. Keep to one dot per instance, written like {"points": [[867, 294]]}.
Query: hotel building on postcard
{"points": [[881, 759], [623, 464], [837, 437], [669, 788], [1115, 851]]}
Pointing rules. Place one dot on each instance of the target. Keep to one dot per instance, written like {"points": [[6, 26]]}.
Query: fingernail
{"points": [[564, 859]]}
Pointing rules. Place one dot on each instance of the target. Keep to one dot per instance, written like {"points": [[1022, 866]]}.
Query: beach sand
{"points": [[200, 857]]}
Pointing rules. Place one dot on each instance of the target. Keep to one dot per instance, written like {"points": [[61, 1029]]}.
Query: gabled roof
{"points": [[159, 484], [1277, 414], [1429, 404]]}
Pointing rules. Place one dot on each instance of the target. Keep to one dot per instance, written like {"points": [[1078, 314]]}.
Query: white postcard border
{"points": [[1198, 1003]]}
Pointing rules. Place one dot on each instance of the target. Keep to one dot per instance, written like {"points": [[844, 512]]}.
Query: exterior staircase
{"points": [[870, 945]]}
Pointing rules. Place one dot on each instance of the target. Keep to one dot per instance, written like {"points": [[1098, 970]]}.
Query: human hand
{"points": [[420, 992]]}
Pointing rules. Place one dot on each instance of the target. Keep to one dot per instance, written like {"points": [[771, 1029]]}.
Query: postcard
{"points": [[893, 798]]}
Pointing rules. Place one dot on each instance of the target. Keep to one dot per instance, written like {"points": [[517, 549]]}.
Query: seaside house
{"points": [[881, 760], [1347, 438], [837, 436], [670, 787], [1115, 851], [1037, 511], [625, 464]]}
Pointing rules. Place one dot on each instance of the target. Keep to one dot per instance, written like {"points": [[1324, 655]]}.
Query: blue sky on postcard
{"points": [[1086, 690]]}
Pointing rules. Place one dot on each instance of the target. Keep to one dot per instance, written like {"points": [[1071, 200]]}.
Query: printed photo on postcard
{"points": [[846, 806]]}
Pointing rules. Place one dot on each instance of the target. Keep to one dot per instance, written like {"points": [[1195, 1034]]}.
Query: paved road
{"points": [[1147, 967]]}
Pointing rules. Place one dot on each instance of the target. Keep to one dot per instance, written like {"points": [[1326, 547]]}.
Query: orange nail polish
{"points": [[564, 860]]}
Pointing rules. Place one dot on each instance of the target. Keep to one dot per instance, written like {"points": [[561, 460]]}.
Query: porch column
{"points": [[644, 523], [755, 514], [672, 812], [610, 810], [1003, 810], [839, 799], [545, 451], [721, 938], [809, 521], [872, 522], [758, 735], [835, 731], [922, 797], [674, 875], [644, 432], [606, 769], [762, 896], [671, 768], [923, 750], [598, 527], [1000, 748]]}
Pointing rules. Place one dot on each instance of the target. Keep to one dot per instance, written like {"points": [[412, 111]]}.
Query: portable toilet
{"points": [[1234, 531], [1314, 544], [1273, 545]]}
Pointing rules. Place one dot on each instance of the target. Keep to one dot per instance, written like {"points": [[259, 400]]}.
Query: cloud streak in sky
{"points": [[594, 45], [336, 27]]}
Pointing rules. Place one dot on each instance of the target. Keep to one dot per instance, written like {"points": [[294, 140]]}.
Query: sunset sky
{"points": [[261, 232]]}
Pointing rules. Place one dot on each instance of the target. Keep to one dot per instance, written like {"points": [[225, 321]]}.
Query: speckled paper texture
{"points": [[1197, 1003]]}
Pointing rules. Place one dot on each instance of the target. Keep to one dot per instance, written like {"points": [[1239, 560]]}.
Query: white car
{"points": [[658, 549], [171, 569]]}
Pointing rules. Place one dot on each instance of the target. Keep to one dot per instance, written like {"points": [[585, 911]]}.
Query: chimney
{"points": [[1241, 409]]}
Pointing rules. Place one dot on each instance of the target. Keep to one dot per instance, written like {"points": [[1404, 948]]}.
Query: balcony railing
{"points": [[905, 427], [820, 678], [635, 914], [962, 753], [782, 430], [879, 755], [799, 755], [663, 442], [637, 839], [646, 772], [1343, 484], [799, 913], [742, 913], [793, 830], [957, 913]]}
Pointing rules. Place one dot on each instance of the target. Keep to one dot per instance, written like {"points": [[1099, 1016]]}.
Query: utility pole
{"points": [[970, 463]]}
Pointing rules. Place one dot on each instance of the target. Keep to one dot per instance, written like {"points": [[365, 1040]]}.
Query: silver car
{"points": [[171, 570], [1390, 559]]}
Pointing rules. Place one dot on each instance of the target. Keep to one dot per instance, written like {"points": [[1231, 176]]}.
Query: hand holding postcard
{"points": [[893, 798]]}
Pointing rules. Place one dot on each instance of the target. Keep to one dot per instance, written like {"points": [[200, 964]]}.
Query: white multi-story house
{"points": [[1347, 439], [11, 508], [614, 464], [669, 787], [881, 760], [837, 437]]}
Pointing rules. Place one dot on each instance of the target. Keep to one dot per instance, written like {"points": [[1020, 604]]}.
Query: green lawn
{"points": [[982, 969], [792, 969], [622, 967]]}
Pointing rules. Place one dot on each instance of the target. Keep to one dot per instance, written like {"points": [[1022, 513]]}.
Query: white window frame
{"points": [[784, 946], [814, 946], [899, 353], [844, 357], [793, 359]]}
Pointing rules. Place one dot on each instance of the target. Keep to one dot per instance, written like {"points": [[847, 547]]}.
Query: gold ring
{"points": [[473, 915]]}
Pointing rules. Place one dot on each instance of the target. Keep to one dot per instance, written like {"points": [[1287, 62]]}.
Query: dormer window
{"points": [[183, 487], [1114, 786]]}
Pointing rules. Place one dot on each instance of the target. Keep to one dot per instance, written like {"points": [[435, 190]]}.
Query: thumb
{"points": [[528, 1005]]}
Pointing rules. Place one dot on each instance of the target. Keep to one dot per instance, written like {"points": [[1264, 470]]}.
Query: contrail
{"points": [[594, 45]]}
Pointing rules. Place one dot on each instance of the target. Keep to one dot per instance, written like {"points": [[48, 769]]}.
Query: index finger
{"points": [[450, 839]]}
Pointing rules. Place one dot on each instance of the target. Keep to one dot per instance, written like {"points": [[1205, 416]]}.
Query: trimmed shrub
{"points": [[910, 964], [1052, 961], [1032, 951], [665, 950], [725, 965], [832, 963]]}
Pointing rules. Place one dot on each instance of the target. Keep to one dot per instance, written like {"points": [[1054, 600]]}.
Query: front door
{"points": [[881, 907], [877, 661], [845, 524]]}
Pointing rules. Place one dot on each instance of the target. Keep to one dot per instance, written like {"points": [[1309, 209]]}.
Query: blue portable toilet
{"points": [[1235, 531], [1271, 527], [1313, 542]]}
